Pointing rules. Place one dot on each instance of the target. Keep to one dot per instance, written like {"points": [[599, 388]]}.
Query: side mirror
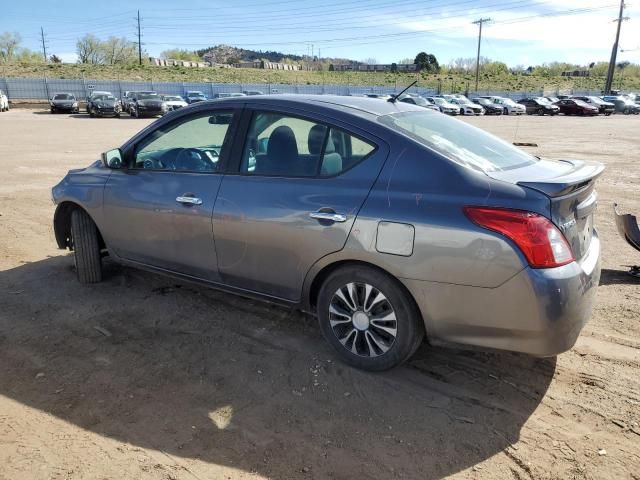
{"points": [[112, 159]]}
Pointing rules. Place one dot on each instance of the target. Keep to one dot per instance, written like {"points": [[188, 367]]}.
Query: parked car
{"points": [[576, 107], [229, 95], [126, 99], [317, 209], [466, 106], [101, 104], [64, 102], [4, 102], [508, 106], [490, 108], [605, 108], [253, 92], [622, 105], [174, 102], [444, 105], [418, 100], [147, 104], [129, 99], [194, 96], [539, 106]]}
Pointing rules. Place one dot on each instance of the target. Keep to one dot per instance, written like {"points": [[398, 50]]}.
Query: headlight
{"points": [[75, 104]]}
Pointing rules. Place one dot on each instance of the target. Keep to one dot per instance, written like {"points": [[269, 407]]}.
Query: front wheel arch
{"points": [[62, 225]]}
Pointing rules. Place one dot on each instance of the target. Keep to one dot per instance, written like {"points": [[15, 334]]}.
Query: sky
{"points": [[525, 32]]}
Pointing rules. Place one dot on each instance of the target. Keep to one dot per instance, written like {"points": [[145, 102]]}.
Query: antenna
{"points": [[396, 96]]}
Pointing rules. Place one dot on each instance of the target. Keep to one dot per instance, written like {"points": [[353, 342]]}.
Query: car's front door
{"points": [[299, 186], [158, 209]]}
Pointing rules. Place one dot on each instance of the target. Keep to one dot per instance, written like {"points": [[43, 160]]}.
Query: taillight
{"points": [[541, 242]]}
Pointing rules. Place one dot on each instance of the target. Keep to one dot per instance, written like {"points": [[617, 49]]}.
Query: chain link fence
{"points": [[39, 89]]}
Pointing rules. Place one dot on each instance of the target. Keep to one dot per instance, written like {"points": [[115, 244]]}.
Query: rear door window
{"points": [[288, 146]]}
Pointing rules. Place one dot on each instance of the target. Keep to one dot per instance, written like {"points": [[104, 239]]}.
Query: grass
{"points": [[449, 82]]}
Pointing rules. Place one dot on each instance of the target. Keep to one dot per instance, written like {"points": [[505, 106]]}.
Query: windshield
{"points": [[581, 103], [542, 101], [458, 141], [195, 94], [64, 96], [439, 101], [508, 101], [482, 101], [169, 98], [147, 96], [104, 97], [420, 101]]}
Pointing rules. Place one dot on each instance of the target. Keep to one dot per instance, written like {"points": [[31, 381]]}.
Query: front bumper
{"points": [[538, 311]]}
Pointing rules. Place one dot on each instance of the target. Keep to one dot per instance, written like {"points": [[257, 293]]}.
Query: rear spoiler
{"points": [[581, 176]]}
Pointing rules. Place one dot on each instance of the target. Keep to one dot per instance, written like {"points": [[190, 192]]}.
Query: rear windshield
{"points": [[458, 141]]}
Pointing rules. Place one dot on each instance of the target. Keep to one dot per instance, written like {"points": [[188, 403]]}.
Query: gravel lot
{"points": [[145, 377]]}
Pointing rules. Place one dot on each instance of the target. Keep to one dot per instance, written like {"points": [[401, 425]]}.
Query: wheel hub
{"points": [[363, 319], [360, 321]]}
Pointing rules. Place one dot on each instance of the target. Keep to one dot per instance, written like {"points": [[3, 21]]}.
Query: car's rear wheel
{"points": [[369, 318], [505, 111], [626, 111], [86, 247], [541, 111]]}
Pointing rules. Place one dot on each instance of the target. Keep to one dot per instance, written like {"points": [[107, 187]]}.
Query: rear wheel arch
{"points": [[62, 224], [327, 270]]}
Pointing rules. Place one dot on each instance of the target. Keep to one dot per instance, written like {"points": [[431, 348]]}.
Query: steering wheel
{"points": [[191, 159]]}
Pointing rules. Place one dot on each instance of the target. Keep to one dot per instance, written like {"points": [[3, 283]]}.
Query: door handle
{"points": [[189, 200], [330, 216]]}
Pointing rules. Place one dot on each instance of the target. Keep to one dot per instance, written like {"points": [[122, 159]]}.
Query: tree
{"points": [[55, 59], [179, 54], [118, 51], [406, 61], [9, 44], [89, 50], [370, 61], [427, 61]]}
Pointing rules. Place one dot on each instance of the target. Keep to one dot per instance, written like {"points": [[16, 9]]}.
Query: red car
{"points": [[572, 106]]}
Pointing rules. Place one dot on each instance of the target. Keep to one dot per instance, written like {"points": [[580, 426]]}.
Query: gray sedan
{"points": [[389, 222]]}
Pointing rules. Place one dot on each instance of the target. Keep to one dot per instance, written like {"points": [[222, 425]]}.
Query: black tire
{"points": [[53, 110], [86, 248], [541, 111], [505, 111], [626, 111], [409, 324], [91, 114]]}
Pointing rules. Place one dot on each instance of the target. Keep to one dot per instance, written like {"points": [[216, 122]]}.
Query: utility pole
{"points": [[614, 51], [44, 45], [139, 40], [479, 22]]}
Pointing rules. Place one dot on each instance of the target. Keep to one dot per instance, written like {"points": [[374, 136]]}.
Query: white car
{"points": [[4, 102], [444, 105], [509, 106], [174, 102], [466, 106]]}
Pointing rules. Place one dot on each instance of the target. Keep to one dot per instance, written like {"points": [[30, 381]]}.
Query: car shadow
{"points": [[617, 277], [200, 374]]}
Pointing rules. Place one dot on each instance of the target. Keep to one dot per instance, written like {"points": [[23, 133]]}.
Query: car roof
{"points": [[360, 106]]}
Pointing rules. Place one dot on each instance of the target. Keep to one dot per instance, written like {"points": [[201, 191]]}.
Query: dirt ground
{"points": [[143, 377]]}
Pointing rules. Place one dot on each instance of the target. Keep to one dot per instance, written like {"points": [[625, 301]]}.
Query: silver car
{"points": [[389, 222]]}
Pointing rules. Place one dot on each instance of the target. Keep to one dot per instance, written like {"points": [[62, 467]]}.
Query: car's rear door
{"points": [[158, 210], [293, 198]]}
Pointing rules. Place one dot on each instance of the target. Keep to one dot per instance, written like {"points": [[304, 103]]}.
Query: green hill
{"points": [[448, 82]]}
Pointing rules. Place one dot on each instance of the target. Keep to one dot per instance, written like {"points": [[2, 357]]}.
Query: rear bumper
{"points": [[538, 311]]}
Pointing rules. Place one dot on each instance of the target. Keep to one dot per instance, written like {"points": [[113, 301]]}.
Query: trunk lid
{"points": [[570, 186]]}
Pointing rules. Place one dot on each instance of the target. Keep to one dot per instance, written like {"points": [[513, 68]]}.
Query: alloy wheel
{"points": [[363, 319]]}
